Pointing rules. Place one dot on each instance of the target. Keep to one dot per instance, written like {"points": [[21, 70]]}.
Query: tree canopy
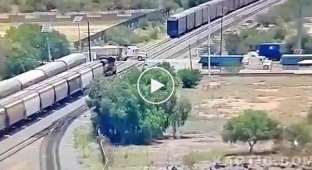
{"points": [[251, 126], [125, 118], [92, 5], [26, 46]]}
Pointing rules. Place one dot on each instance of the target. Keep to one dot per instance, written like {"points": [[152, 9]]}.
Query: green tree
{"points": [[59, 45], [5, 49], [125, 118], [251, 126], [92, 5], [279, 33], [145, 4], [300, 11], [189, 78], [254, 37], [234, 44], [306, 44], [20, 60], [120, 36], [30, 36], [301, 132], [26, 45]]}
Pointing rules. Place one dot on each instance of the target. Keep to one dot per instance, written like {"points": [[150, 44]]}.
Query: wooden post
{"points": [[190, 57], [89, 42]]}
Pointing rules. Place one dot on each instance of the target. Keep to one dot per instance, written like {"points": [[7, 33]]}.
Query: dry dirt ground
{"points": [[286, 99], [70, 29]]}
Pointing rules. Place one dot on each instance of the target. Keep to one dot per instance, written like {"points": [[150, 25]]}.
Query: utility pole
{"points": [[160, 4], [299, 24], [77, 20], [89, 41], [221, 37], [47, 28], [209, 45], [190, 57]]}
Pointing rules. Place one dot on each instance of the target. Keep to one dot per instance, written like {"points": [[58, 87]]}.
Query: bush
{"points": [[120, 35], [154, 33], [306, 44], [265, 19], [5, 6], [279, 33], [300, 132], [189, 78]]}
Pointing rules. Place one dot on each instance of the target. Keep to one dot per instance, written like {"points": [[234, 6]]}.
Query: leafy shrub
{"points": [[306, 44], [120, 35], [5, 6], [189, 78], [301, 132]]}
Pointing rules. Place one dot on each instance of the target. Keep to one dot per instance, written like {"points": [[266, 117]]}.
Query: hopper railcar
{"points": [[37, 98]]}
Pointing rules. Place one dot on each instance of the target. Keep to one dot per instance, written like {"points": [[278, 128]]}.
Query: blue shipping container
{"points": [[271, 51], [224, 60], [293, 59]]}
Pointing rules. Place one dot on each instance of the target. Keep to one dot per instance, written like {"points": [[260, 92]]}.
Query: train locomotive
{"points": [[192, 18]]}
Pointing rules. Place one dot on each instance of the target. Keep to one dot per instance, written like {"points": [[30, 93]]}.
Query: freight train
{"points": [[192, 18], [38, 97], [24, 80]]}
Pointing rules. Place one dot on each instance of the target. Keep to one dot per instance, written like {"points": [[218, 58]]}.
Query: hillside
{"points": [[91, 5]]}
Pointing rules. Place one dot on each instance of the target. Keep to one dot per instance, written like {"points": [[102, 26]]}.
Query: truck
{"points": [[253, 61], [121, 53]]}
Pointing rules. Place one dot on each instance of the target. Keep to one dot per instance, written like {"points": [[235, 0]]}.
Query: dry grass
{"points": [[90, 157], [131, 158], [285, 98], [23, 166], [69, 29]]}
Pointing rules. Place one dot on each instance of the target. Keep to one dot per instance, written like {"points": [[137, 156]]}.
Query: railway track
{"points": [[49, 157], [155, 45], [166, 48]]}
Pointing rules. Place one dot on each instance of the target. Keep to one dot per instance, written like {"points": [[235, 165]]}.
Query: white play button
{"points": [[151, 90], [155, 85]]}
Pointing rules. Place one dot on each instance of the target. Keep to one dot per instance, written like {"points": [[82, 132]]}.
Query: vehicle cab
{"points": [[134, 52]]}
